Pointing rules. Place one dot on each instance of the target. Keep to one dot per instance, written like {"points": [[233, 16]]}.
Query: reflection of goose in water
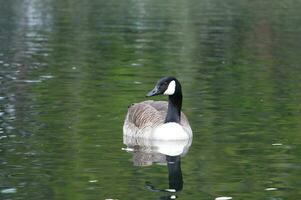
{"points": [[146, 152], [159, 120]]}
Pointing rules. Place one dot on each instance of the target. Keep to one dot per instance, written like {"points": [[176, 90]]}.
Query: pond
{"points": [[69, 70]]}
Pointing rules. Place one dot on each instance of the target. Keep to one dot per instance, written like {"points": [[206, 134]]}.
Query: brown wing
{"points": [[148, 114]]}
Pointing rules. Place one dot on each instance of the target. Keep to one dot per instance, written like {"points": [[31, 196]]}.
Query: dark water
{"points": [[69, 69]]}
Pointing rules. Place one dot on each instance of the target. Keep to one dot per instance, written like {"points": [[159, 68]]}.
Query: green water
{"points": [[69, 69]]}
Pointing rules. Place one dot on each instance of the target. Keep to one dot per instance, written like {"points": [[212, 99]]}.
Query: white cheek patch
{"points": [[171, 88]]}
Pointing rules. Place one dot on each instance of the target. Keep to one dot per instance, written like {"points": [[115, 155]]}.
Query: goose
{"points": [[159, 120]]}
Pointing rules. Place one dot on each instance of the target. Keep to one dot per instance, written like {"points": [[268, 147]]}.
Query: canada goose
{"points": [[159, 120]]}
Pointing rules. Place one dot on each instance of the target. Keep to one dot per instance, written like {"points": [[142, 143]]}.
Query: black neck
{"points": [[174, 107]]}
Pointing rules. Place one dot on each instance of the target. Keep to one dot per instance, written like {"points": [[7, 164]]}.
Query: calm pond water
{"points": [[69, 69]]}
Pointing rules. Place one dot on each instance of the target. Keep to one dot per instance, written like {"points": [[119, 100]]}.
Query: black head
{"points": [[167, 86]]}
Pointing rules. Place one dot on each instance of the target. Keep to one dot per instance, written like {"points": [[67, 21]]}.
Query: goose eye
{"points": [[164, 85]]}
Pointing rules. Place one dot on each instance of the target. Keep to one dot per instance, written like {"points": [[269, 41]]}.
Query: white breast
{"points": [[170, 131], [171, 147]]}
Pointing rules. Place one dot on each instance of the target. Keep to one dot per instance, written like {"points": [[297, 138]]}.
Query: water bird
{"points": [[159, 120]]}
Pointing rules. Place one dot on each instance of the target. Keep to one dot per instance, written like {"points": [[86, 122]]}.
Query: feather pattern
{"points": [[143, 117]]}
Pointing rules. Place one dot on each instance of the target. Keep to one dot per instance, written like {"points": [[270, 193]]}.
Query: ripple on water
{"points": [[2, 137], [46, 77], [277, 144], [41, 78], [32, 81], [9, 191], [223, 198], [271, 189], [8, 76], [136, 64]]}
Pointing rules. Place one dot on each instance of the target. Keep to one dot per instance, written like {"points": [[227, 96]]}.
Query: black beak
{"points": [[154, 92]]}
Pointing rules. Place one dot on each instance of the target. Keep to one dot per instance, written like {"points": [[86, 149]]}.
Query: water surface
{"points": [[69, 69]]}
